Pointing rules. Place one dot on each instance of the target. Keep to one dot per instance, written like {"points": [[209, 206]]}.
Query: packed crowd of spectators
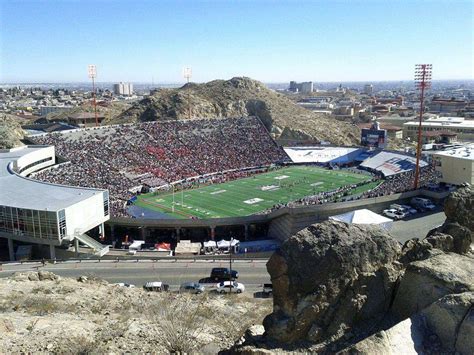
{"points": [[121, 157], [404, 182]]}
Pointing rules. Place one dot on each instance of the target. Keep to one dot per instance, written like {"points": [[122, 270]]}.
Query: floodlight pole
{"points": [[92, 75], [422, 82], [187, 74]]}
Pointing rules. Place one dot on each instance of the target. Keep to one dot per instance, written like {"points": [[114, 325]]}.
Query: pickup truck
{"points": [[223, 274], [267, 290]]}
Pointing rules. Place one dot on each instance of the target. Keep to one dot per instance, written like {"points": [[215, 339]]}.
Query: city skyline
{"points": [[271, 41]]}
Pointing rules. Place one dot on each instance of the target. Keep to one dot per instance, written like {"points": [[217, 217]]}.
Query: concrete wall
{"points": [[85, 215], [299, 218], [286, 221]]}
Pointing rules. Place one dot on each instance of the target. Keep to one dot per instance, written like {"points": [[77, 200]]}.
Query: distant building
{"points": [[344, 112], [463, 128], [469, 110], [304, 88], [438, 105], [85, 119], [456, 165], [124, 89], [368, 89], [44, 110], [445, 137]]}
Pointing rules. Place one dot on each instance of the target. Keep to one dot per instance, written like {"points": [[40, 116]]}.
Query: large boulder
{"points": [[450, 237], [459, 207], [426, 281], [403, 338], [451, 320], [329, 279]]}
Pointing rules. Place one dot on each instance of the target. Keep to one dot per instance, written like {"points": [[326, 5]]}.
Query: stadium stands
{"points": [[119, 158], [389, 163]]}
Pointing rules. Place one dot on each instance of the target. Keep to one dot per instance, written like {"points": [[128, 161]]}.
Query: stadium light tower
{"points": [[187, 74], [92, 69], [422, 83]]}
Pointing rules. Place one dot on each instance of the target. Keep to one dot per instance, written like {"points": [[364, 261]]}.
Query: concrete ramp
{"points": [[98, 248]]}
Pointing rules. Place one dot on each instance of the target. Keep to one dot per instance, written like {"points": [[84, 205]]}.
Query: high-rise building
{"points": [[125, 89], [305, 87], [368, 89]]}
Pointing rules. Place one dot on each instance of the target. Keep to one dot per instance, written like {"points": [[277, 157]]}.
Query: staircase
{"points": [[98, 248]]}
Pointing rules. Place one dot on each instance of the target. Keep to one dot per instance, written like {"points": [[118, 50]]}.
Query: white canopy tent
{"points": [[364, 216], [210, 244]]}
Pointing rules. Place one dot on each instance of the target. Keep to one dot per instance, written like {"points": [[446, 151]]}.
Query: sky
{"points": [[271, 41]]}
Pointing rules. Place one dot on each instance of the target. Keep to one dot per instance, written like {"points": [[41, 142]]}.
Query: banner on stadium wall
{"points": [[376, 138]]}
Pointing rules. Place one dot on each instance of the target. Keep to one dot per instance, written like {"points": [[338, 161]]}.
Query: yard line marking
{"points": [[253, 201], [218, 192]]}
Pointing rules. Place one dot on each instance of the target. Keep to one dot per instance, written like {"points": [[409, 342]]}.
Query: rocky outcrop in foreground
{"points": [[351, 289], [329, 279]]}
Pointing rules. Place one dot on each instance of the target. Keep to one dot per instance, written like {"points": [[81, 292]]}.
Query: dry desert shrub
{"points": [[185, 323], [179, 320]]}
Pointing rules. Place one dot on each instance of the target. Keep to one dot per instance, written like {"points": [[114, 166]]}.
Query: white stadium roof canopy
{"points": [[21, 192], [322, 154]]}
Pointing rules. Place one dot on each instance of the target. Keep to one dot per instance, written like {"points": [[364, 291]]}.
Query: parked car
{"points": [[230, 286], [410, 209], [192, 287], [422, 204], [403, 208], [267, 289], [223, 273], [394, 214], [156, 286], [123, 284]]}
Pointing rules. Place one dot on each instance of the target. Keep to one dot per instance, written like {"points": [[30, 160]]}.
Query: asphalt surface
{"points": [[251, 273], [417, 226]]}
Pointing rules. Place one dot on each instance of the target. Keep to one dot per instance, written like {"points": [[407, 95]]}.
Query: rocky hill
{"points": [[241, 96], [351, 289], [10, 132]]}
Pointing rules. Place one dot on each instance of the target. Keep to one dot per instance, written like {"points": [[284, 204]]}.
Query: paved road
{"points": [[252, 274], [417, 226]]}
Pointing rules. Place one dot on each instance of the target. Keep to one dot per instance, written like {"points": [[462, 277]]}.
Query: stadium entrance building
{"points": [[36, 212], [456, 165]]}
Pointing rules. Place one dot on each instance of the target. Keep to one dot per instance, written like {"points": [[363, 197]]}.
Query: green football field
{"points": [[250, 195]]}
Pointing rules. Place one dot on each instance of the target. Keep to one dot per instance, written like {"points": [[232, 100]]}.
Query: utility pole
{"points": [[173, 198], [422, 83], [230, 264], [187, 74], [93, 75]]}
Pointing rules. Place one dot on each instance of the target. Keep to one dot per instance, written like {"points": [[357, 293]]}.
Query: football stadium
{"points": [[199, 179]]}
